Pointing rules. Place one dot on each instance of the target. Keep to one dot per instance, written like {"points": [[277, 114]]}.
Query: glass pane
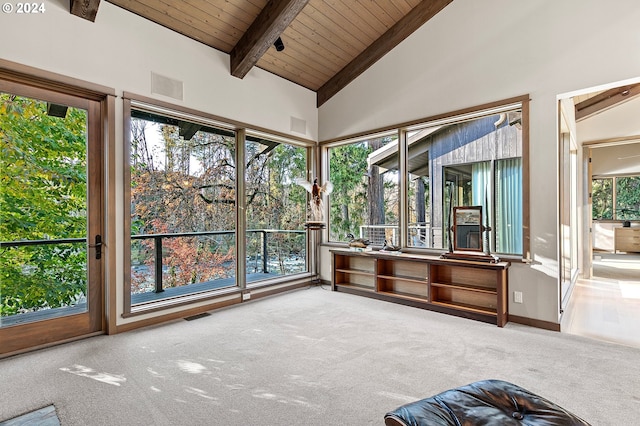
{"points": [[276, 209], [364, 201], [419, 211], [628, 198], [182, 208], [602, 198], [43, 206], [450, 165], [458, 191], [508, 232]]}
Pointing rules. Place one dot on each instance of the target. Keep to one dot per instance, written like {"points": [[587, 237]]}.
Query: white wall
{"points": [[616, 160], [121, 50], [615, 123], [475, 52]]}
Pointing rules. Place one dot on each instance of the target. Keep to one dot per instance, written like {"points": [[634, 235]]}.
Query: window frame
{"points": [[241, 130], [366, 138], [520, 103], [253, 137], [99, 102], [612, 197]]}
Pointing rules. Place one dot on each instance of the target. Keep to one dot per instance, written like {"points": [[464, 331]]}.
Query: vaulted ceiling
{"points": [[327, 43]]}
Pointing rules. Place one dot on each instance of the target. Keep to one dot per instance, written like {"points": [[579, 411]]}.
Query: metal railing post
{"points": [[158, 263], [265, 266]]}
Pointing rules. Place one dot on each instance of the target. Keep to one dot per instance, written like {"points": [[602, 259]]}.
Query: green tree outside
{"points": [[42, 197], [627, 198]]}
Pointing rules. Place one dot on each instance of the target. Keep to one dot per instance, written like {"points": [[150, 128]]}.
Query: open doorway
{"points": [[599, 148]]}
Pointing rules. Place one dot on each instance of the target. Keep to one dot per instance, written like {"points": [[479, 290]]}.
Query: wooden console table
{"points": [[475, 290]]}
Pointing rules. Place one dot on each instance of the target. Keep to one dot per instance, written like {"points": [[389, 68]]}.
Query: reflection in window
{"points": [[365, 199], [419, 210], [474, 162], [276, 209], [182, 207], [508, 216]]}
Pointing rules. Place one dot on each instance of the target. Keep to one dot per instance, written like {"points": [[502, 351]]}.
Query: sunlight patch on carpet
{"points": [[199, 392], [82, 371], [192, 367]]}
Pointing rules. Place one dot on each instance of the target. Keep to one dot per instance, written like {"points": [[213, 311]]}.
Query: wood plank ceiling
{"points": [[328, 43]]}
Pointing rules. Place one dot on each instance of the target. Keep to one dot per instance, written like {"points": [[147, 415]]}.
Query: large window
{"points": [[186, 187], [182, 207], [365, 198], [472, 159], [616, 198], [467, 162]]}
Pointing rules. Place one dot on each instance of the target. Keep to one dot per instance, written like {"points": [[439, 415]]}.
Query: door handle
{"points": [[98, 246]]}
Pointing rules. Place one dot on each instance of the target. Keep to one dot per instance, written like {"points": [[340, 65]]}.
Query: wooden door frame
{"points": [[99, 102]]}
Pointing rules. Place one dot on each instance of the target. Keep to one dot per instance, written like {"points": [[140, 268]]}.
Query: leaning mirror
{"points": [[467, 228]]}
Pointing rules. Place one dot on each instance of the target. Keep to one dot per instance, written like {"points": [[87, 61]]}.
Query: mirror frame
{"points": [[467, 224]]}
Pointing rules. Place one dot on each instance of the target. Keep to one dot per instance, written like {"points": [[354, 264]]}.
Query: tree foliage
{"points": [[602, 199], [42, 196], [347, 171], [181, 186], [363, 194], [275, 202], [627, 198], [185, 186], [177, 186]]}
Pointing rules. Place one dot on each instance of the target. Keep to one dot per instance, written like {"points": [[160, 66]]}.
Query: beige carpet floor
{"points": [[311, 357]]}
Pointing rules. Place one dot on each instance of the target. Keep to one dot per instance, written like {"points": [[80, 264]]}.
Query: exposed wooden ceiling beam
{"points": [[418, 16], [606, 100], [86, 9], [263, 32]]}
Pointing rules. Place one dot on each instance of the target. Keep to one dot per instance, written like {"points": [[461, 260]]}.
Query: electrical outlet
{"points": [[517, 296], [246, 296]]}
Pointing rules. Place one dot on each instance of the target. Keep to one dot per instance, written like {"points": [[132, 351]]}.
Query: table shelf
{"points": [[471, 289]]}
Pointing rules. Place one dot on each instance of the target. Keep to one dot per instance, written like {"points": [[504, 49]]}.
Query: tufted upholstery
{"points": [[488, 403]]}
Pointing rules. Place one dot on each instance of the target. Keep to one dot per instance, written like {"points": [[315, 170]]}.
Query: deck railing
{"points": [[157, 246], [41, 242], [261, 253], [158, 252], [420, 234]]}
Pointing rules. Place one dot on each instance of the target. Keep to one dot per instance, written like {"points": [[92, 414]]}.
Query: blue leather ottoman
{"points": [[488, 402]]}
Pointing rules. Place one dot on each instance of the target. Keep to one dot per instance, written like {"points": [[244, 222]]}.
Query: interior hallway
{"points": [[607, 307]]}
